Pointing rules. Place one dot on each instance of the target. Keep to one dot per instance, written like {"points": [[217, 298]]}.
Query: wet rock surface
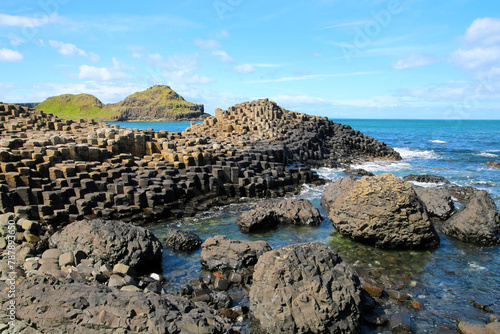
{"points": [[426, 178], [221, 254], [182, 240], [477, 222], [305, 288], [111, 242], [386, 212], [438, 201], [269, 214]]}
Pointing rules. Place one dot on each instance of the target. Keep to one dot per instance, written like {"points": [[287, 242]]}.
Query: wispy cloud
{"points": [[67, 49], [313, 76], [27, 21], [355, 23], [207, 44], [414, 61], [104, 73], [10, 55], [223, 56], [245, 68]]}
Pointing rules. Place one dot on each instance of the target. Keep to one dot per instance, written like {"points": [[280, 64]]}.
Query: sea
{"points": [[448, 283]]}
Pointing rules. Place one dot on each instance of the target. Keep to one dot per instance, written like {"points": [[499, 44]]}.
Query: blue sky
{"points": [[341, 59]]}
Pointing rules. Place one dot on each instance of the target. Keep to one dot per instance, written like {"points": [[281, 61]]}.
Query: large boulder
{"points": [[182, 240], [111, 242], [336, 189], [384, 211], [477, 222], [426, 178], [269, 214], [220, 253], [90, 309], [437, 201], [305, 288]]}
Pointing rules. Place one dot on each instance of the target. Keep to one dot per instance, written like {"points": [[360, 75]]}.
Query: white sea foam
{"points": [[437, 141], [412, 153], [475, 266], [487, 154], [384, 166], [427, 184]]}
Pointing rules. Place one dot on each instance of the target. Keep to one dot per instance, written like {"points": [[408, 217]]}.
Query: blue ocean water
{"points": [[445, 281], [156, 126]]}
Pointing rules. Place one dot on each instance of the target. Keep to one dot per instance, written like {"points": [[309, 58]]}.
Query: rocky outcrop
{"points": [[111, 242], [386, 212], [426, 178], [182, 240], [493, 164], [157, 103], [222, 254], [45, 306], [336, 189], [477, 222], [305, 288], [312, 140], [357, 172], [437, 201], [272, 213]]}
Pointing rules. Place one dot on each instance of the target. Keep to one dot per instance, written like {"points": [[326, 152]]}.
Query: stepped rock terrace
{"points": [[58, 170]]}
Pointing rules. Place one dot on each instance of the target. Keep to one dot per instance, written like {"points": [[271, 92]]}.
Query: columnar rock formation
{"points": [[312, 140], [58, 170]]}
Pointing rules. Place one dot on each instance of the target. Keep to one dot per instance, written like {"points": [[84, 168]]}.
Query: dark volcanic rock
{"points": [[384, 211], [182, 240], [220, 253], [462, 194], [357, 172], [426, 178], [79, 308], [305, 288], [437, 201], [336, 189], [477, 222], [112, 242], [270, 214]]}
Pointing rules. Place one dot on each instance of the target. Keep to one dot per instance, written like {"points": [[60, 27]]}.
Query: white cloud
{"points": [[414, 61], [355, 23], [10, 55], [207, 44], [483, 31], [223, 56], [107, 92], [222, 34], [104, 73], [245, 68], [477, 57], [373, 102], [15, 41], [179, 71], [312, 76], [67, 49], [27, 21]]}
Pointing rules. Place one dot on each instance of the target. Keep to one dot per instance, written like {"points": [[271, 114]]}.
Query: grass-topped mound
{"points": [[154, 104], [71, 106]]}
